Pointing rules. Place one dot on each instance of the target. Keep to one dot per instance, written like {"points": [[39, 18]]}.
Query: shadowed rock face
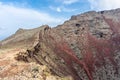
{"points": [[86, 47]]}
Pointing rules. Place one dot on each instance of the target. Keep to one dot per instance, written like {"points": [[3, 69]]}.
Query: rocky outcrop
{"points": [[86, 47]]}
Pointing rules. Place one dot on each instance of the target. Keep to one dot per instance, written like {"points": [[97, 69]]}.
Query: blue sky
{"points": [[15, 14]]}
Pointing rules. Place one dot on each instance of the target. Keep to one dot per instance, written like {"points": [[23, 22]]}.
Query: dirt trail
{"points": [[9, 53], [8, 65]]}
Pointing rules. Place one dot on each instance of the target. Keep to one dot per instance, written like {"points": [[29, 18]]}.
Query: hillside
{"points": [[86, 47], [23, 38]]}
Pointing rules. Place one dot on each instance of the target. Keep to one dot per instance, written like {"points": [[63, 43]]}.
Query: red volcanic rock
{"points": [[86, 47]]}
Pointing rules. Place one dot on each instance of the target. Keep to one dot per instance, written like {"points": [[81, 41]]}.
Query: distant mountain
{"points": [[23, 38], [86, 47]]}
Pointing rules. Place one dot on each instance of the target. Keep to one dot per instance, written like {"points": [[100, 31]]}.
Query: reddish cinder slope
{"points": [[87, 47]]}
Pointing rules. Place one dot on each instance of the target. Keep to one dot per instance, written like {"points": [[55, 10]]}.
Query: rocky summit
{"points": [[86, 47]]}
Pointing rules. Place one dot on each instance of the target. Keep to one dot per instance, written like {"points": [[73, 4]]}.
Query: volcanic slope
{"points": [[86, 47]]}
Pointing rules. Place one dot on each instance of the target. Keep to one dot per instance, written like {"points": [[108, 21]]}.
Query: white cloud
{"points": [[12, 18], [62, 9], [58, 9], [0, 28], [104, 4], [70, 1], [67, 2], [68, 9]]}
